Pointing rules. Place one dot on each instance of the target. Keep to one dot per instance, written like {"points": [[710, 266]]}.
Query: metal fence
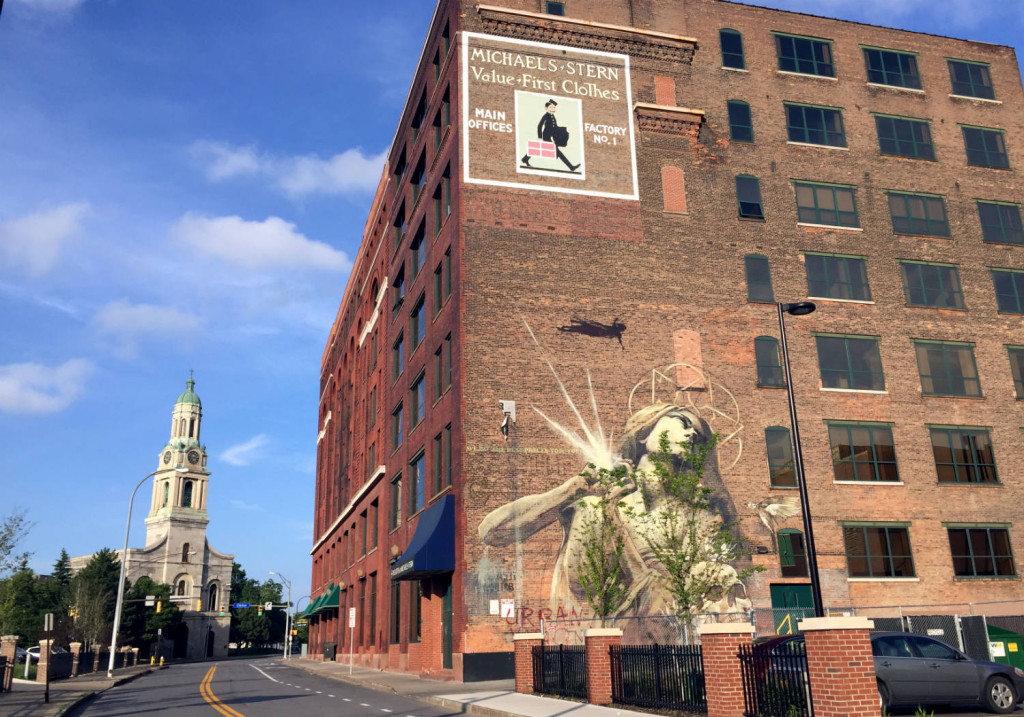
{"points": [[659, 677], [775, 681], [560, 670], [638, 629], [3, 672]]}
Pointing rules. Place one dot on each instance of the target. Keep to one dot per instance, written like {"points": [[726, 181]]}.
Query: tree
{"points": [[141, 625], [13, 529], [248, 627], [20, 611], [62, 569], [598, 555], [694, 546], [94, 594]]}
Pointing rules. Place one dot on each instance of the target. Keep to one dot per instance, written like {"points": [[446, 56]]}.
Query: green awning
{"points": [[329, 600], [311, 609]]}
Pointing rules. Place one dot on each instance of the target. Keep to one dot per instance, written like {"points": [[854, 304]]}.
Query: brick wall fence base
{"points": [[76, 655], [720, 645], [43, 666], [8, 649], [597, 644], [524, 644], [840, 666]]}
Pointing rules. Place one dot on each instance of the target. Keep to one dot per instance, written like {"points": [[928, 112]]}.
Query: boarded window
{"points": [[673, 187]]}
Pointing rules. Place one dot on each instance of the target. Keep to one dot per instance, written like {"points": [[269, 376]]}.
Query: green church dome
{"points": [[189, 396]]}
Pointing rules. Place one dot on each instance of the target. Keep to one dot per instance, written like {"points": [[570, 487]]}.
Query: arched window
{"points": [[769, 366], [780, 457], [792, 554], [167, 492], [741, 126], [181, 588], [759, 279], [732, 49], [213, 597], [186, 495], [184, 553], [191, 428], [181, 428]]}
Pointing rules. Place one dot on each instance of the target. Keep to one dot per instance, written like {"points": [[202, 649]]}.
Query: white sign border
{"points": [[635, 196]]}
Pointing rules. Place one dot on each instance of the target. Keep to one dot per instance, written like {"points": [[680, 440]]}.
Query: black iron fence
{"points": [[560, 670], [85, 662], [3, 672], [775, 680], [659, 677]]}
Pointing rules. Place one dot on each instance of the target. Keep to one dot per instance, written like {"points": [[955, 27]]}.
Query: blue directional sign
{"points": [[240, 604]]}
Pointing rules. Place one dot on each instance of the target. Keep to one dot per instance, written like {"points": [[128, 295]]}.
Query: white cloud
{"points": [[57, 5], [351, 171], [243, 454], [956, 13], [272, 243], [34, 388], [128, 323], [34, 242]]}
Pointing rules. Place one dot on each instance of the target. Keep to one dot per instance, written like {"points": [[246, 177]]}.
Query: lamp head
{"points": [[801, 308]]}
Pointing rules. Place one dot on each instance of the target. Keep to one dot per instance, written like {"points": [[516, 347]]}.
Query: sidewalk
{"points": [[496, 698], [26, 698]]}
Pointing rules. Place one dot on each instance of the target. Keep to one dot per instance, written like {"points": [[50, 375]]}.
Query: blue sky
{"points": [[183, 186]]}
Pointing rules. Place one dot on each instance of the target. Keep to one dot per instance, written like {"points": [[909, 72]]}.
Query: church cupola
{"points": [[186, 417]]}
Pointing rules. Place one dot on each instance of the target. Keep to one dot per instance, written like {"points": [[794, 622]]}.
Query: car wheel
{"points": [[884, 701], [999, 695]]}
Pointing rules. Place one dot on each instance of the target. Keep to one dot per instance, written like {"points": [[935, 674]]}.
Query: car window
{"points": [[933, 649], [892, 646]]}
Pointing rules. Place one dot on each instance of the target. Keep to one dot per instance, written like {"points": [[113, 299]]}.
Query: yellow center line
{"points": [[212, 699]]}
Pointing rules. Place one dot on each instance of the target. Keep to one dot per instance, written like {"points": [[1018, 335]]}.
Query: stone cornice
{"points": [[666, 119], [586, 35]]}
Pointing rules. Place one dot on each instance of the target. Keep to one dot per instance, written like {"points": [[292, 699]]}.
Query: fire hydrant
{"points": [[152, 659], [161, 661]]}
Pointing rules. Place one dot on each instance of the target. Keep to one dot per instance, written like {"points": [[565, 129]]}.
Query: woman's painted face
{"points": [[680, 429]]}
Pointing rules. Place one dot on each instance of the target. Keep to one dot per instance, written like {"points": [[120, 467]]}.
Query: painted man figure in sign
{"points": [[567, 504], [549, 130]]}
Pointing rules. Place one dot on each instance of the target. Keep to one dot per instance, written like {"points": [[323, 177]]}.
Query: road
{"points": [[248, 688]]}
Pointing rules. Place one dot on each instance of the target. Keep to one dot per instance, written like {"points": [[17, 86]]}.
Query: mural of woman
{"points": [[568, 502]]}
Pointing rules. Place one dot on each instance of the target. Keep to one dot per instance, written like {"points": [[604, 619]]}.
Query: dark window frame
{"points": [[849, 374], [779, 439], [804, 55], [923, 280], [985, 147], [398, 357], [1008, 285], [966, 463], [768, 359], [395, 508], [807, 123], [966, 563], [418, 322], [792, 558], [878, 64], [1006, 228], [731, 56], [926, 351], [838, 271], [417, 482], [418, 400], [397, 427], [888, 568], [741, 121], [876, 463], [1016, 357], [824, 216], [554, 7], [976, 83], [915, 217], [904, 137], [759, 289], [748, 188]]}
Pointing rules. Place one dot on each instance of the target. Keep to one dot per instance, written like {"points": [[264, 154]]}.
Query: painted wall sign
{"points": [[547, 117]]}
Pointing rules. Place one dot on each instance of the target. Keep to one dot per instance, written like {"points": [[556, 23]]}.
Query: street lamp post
{"points": [[287, 615], [801, 309], [124, 569]]}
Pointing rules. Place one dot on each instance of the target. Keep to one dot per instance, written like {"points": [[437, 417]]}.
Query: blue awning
{"points": [[432, 548]]}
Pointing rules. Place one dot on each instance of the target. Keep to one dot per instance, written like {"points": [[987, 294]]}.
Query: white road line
{"points": [[330, 695], [264, 673], [319, 692], [363, 704], [307, 689], [384, 710], [346, 699]]}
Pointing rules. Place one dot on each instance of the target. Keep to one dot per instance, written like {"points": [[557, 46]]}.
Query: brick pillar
{"points": [[720, 644], [840, 666], [76, 653], [44, 660], [135, 656], [525, 642], [8, 649], [597, 642]]}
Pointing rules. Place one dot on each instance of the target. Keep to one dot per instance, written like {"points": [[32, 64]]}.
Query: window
{"points": [[759, 279], [741, 126], [418, 117], [415, 614], [981, 552], [447, 362], [862, 452], [917, 214], [850, 363], [963, 455], [396, 428], [418, 180], [417, 483], [904, 137], [792, 554], [363, 532], [362, 604], [400, 167], [373, 525], [815, 125], [447, 274], [748, 196], [438, 464], [837, 277], [878, 552], [1000, 223], [396, 613], [826, 204], [935, 285], [1017, 369], [442, 201], [167, 492], [395, 517], [371, 407], [887, 67], [970, 79], [371, 459], [186, 495], [443, 118], [554, 8], [418, 253], [947, 369], [185, 550], [417, 323], [780, 457], [985, 147], [1009, 286], [397, 358], [438, 283], [398, 292], [417, 400], [732, 49], [804, 55], [399, 227], [373, 608], [447, 455], [374, 348], [769, 367], [438, 372]]}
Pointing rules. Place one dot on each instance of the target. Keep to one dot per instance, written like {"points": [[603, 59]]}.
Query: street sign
{"points": [[241, 604], [268, 605], [150, 600], [302, 622], [351, 617], [48, 622]]}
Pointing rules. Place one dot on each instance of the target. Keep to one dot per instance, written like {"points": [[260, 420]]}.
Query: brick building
{"points": [[588, 210]]}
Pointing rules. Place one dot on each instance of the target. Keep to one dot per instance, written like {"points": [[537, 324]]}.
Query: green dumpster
{"points": [[1006, 646]]}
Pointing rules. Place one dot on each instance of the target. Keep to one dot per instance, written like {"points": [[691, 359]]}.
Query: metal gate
{"points": [[659, 677]]}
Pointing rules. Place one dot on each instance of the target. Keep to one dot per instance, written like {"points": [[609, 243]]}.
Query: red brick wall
{"points": [[842, 672], [599, 666], [524, 645], [722, 671]]}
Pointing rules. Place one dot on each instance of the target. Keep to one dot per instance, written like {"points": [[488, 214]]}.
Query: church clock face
{"points": [[167, 457], [193, 457]]}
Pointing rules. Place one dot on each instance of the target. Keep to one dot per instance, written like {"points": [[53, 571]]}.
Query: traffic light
{"points": [[72, 612], [159, 605], [199, 604], [259, 611], [222, 610]]}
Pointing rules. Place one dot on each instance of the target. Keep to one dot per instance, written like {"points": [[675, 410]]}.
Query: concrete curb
{"points": [[467, 708], [86, 696], [379, 686]]}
